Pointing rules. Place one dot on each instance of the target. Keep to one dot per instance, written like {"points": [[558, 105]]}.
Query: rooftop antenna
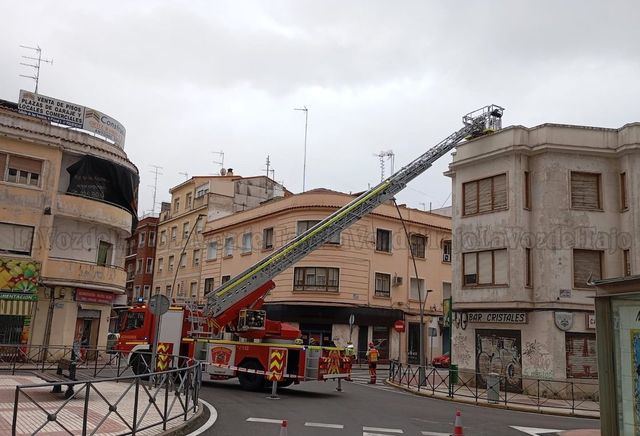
{"points": [[270, 170], [304, 163], [185, 174], [38, 60], [388, 155], [220, 155], [157, 172]]}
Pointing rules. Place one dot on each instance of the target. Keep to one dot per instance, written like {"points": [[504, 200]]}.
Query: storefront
{"points": [[18, 292], [94, 312]]}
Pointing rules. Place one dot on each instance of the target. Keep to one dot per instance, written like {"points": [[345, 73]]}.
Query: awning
{"points": [[16, 307]]}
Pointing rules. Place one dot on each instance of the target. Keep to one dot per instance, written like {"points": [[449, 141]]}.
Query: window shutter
{"points": [[470, 198], [15, 239], [585, 263], [25, 164], [500, 266], [500, 192], [484, 195], [485, 272], [3, 165], [470, 276], [584, 190]]}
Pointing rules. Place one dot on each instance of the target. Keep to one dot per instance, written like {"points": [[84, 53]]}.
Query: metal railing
{"points": [[576, 396], [104, 393]]}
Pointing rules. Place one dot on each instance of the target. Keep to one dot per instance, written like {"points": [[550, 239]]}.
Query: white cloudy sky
{"points": [[192, 77]]}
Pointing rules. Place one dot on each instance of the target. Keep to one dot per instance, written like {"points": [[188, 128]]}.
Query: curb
{"points": [[519, 408], [204, 419]]}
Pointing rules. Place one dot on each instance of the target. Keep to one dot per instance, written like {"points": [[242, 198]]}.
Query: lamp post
{"points": [[304, 163]]}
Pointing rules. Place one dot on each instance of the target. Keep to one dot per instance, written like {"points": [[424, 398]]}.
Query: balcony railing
{"points": [[93, 210], [72, 270]]}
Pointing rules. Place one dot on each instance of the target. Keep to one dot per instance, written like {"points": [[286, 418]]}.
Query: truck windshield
{"points": [[134, 320]]}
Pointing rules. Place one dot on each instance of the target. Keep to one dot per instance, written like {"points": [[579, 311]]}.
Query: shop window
{"points": [[105, 250], [316, 279], [485, 268], [267, 238], [581, 355], [16, 239], [415, 287], [303, 226], [246, 243], [383, 240], [383, 285], [585, 191], [418, 246], [586, 264], [212, 250], [485, 195]]}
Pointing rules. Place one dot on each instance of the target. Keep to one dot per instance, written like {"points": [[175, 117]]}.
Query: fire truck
{"points": [[268, 350]]}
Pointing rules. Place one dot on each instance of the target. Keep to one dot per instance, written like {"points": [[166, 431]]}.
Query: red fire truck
{"points": [[235, 308]]}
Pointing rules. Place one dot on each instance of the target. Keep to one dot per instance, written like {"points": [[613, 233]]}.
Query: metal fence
{"points": [[103, 393], [578, 397]]}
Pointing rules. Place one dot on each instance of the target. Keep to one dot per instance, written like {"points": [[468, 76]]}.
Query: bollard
{"points": [[274, 391]]}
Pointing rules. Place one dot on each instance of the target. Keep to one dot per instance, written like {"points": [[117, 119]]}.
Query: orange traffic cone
{"points": [[283, 428], [457, 425]]}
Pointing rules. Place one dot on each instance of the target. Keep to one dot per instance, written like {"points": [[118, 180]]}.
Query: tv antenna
{"points": [[36, 66], [270, 170], [156, 172], [220, 155], [185, 174], [384, 156]]}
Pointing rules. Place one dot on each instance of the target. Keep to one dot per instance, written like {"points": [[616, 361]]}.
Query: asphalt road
{"points": [[316, 409]]}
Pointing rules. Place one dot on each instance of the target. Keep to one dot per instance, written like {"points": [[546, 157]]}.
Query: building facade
{"points": [[139, 263], [67, 205], [180, 249], [366, 271], [538, 213]]}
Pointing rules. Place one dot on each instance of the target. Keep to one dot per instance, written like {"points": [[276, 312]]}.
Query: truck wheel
{"points": [[139, 363], [249, 381]]}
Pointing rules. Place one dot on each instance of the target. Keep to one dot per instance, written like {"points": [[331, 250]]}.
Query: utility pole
{"points": [[304, 163], [36, 67], [156, 172]]}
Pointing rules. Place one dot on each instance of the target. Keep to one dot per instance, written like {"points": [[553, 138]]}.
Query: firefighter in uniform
{"points": [[350, 353], [372, 358]]}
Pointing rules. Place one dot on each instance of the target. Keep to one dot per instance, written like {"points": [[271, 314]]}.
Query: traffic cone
{"points": [[283, 428], [457, 425]]}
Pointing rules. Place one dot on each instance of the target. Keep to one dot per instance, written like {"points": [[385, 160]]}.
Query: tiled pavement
{"points": [[38, 402]]}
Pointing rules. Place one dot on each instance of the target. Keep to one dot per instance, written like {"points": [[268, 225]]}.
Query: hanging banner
{"points": [[18, 279]]}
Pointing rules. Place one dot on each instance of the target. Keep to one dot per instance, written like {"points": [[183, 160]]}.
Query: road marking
{"points": [[320, 424], [386, 430], [213, 417], [265, 420], [366, 433], [433, 433], [533, 431]]}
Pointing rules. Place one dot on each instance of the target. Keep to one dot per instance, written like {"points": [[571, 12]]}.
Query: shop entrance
{"points": [[316, 334], [11, 329], [87, 327]]}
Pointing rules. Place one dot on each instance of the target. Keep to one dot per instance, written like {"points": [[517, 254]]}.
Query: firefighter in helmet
{"points": [[350, 353], [372, 359]]}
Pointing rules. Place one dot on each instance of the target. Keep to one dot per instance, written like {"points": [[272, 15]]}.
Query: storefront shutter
{"points": [[500, 267], [585, 263], [470, 198], [500, 192], [485, 273], [25, 164], [585, 190]]}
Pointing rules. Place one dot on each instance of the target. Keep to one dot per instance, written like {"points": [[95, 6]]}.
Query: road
{"points": [[316, 409]]}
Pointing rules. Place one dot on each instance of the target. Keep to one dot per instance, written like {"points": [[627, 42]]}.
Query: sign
{"points": [[563, 320], [18, 296], [277, 360], [590, 320], [498, 317], [399, 326], [72, 115], [159, 304], [164, 356], [565, 293], [19, 276], [432, 332], [89, 296]]}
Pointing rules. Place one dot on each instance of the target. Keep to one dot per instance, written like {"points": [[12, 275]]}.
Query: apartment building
{"points": [[180, 249], [366, 271], [538, 213], [67, 205], [139, 262]]}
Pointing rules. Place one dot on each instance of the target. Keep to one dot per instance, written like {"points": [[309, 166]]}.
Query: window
{"points": [[157, 289], [193, 289], [21, 170], [180, 290], [176, 205], [383, 240], [485, 268], [246, 243], [185, 230], [208, 285], [228, 246], [303, 226], [160, 264], [183, 260], [415, 287], [212, 250], [141, 239], [196, 258], [147, 291], [527, 190], [316, 279], [168, 290], [581, 355], [624, 203], [170, 263], [485, 195], [199, 224], [189, 202], [446, 251], [383, 285], [174, 233], [16, 239], [627, 263], [202, 190], [104, 253], [149, 269], [163, 237], [267, 238], [225, 279], [418, 245], [586, 263], [528, 279], [585, 191], [138, 266], [136, 291], [152, 239]]}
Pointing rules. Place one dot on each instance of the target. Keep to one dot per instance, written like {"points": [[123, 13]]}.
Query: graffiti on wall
{"points": [[635, 370], [499, 351], [462, 351], [536, 360], [581, 355]]}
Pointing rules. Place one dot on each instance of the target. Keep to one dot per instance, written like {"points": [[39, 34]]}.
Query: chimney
{"points": [[229, 171]]}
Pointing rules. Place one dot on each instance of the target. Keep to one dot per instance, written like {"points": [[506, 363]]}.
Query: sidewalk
{"points": [[101, 415]]}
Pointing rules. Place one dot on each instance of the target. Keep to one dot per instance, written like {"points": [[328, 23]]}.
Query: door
{"points": [[363, 341], [381, 341], [499, 351], [413, 347]]}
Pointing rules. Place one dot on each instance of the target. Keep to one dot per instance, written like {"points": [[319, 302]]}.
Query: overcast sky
{"points": [[190, 78]]}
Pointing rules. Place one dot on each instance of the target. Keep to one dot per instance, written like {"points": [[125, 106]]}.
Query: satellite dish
{"points": [[223, 172]]}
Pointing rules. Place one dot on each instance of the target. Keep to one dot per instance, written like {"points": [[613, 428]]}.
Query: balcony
{"points": [[86, 209], [80, 273]]}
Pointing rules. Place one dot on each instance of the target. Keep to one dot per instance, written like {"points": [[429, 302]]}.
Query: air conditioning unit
{"points": [[397, 281], [446, 257]]}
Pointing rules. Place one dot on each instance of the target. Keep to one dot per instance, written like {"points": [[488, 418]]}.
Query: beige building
{"points": [[366, 271], [180, 250], [67, 201], [537, 213]]}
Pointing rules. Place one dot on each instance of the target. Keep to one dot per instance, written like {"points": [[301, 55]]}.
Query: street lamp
{"points": [[304, 163]]}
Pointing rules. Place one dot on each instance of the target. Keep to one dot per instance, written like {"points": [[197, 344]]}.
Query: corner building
{"points": [[538, 213]]}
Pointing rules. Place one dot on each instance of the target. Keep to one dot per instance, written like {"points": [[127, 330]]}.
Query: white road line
{"points": [[320, 424], [265, 420], [433, 433], [366, 433], [386, 430], [213, 417]]}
